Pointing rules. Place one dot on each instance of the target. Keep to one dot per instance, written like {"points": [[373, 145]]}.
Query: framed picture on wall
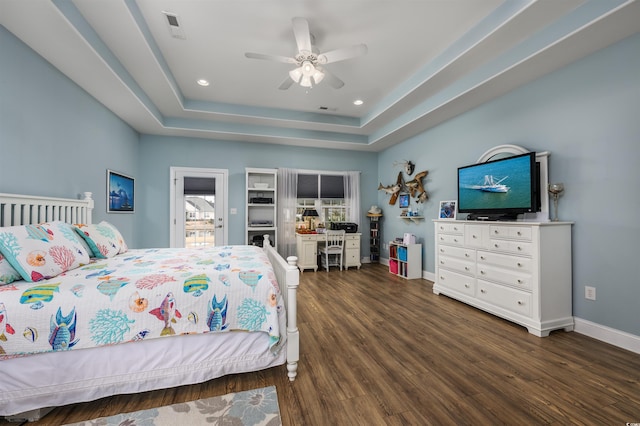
{"points": [[403, 200], [448, 209], [120, 193]]}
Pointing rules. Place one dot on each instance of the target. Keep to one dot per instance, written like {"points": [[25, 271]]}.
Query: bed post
{"points": [[288, 277]]}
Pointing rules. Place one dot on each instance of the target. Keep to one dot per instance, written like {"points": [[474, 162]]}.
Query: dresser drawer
{"points": [[508, 298], [307, 237], [514, 232], [516, 247], [459, 265], [352, 243], [451, 228], [456, 240], [459, 252], [457, 282], [506, 276], [476, 236], [521, 264]]}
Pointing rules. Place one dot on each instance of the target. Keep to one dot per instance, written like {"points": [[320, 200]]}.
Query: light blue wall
{"points": [[55, 139], [587, 116], [159, 153]]}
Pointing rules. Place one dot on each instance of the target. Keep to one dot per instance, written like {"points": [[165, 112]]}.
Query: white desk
{"points": [[307, 250]]}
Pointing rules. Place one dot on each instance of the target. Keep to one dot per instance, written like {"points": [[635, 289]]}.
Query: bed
{"points": [[181, 322]]}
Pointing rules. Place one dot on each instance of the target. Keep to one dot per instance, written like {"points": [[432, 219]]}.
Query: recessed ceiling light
{"points": [[358, 102], [203, 82]]}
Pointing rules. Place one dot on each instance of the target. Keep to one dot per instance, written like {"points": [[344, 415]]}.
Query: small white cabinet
{"points": [[405, 260], [520, 271], [261, 201]]}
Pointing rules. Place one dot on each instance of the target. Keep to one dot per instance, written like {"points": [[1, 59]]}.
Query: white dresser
{"points": [[520, 271]]}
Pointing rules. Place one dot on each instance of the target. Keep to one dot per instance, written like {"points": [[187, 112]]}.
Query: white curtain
{"points": [[287, 201], [352, 196]]}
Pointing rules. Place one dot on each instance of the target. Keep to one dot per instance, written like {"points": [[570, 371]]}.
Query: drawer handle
{"points": [[519, 233], [442, 228], [466, 286], [495, 231], [520, 302], [519, 248], [466, 268], [442, 262], [482, 290], [455, 240], [482, 257], [495, 245], [441, 278], [519, 281], [482, 272], [466, 255], [455, 228], [474, 237], [519, 264], [441, 239], [441, 250]]}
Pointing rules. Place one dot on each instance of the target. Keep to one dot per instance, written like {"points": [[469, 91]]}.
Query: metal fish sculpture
{"points": [[63, 331], [39, 294], [196, 284], [5, 327], [391, 189], [168, 313], [111, 287], [38, 232], [217, 314]]}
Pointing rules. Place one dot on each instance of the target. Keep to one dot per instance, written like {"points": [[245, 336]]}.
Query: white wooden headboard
{"points": [[16, 209]]}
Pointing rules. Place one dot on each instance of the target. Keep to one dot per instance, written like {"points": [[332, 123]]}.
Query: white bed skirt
{"points": [[89, 374]]}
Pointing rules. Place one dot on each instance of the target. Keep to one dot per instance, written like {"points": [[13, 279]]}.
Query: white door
{"points": [[198, 207]]}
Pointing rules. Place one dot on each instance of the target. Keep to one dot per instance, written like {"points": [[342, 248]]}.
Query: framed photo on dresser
{"points": [[448, 209]]}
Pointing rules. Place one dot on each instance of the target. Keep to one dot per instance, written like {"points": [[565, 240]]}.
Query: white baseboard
{"points": [[606, 334]]}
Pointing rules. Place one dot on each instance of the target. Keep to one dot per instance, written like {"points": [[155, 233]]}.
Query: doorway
{"points": [[198, 207]]}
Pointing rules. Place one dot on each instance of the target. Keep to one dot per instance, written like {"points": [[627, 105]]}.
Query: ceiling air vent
{"points": [[325, 108], [174, 26]]}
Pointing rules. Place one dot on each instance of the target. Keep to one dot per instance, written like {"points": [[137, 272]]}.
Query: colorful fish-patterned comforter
{"points": [[142, 294]]}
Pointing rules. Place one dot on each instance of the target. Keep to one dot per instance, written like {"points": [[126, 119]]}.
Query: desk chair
{"points": [[331, 252]]}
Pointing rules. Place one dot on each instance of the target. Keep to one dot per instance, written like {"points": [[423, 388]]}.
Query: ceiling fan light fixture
{"points": [[296, 74], [305, 81], [318, 75], [307, 68]]}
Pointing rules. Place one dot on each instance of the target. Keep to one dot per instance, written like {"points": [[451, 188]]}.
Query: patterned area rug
{"points": [[254, 407]]}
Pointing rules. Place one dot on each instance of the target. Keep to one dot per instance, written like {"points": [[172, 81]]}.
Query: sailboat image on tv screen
{"points": [[490, 185]]}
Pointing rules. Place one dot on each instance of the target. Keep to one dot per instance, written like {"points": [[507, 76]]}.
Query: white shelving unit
{"points": [[261, 202], [405, 260]]}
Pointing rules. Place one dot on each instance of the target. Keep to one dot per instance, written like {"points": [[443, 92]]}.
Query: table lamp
{"points": [[310, 213]]}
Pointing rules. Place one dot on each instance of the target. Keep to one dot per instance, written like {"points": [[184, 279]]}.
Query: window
{"points": [[325, 194]]}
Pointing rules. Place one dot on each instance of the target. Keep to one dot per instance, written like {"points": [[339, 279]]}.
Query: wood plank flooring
{"points": [[380, 350]]}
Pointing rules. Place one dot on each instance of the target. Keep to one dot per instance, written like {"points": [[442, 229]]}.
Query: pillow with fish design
{"points": [[43, 251], [103, 238], [8, 274]]}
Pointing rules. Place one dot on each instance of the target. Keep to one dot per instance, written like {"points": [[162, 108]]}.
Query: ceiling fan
{"points": [[308, 60]]}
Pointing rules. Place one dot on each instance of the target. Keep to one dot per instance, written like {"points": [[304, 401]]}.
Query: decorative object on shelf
{"points": [[448, 209], [375, 210], [120, 193], [261, 185], [555, 189], [310, 213]]}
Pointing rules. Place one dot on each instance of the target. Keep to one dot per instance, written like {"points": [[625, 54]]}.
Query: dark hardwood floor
{"points": [[380, 350]]}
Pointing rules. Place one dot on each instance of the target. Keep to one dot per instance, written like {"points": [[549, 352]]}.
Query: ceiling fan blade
{"points": [[302, 35], [332, 80], [342, 54], [286, 84], [276, 58]]}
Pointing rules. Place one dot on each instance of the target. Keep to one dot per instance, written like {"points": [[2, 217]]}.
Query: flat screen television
{"points": [[500, 189]]}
